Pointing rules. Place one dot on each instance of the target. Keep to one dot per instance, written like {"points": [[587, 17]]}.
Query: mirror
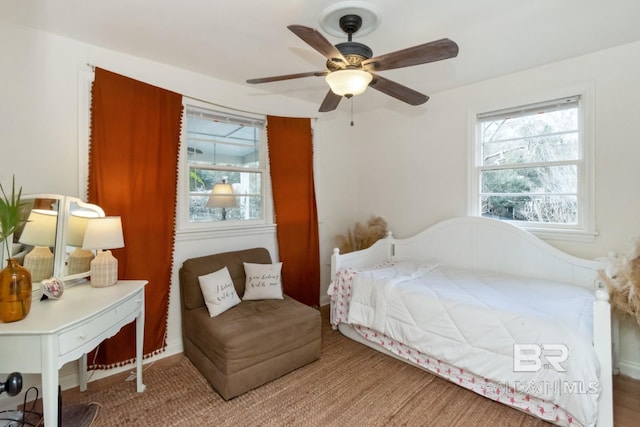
{"points": [[49, 244], [77, 263], [34, 244]]}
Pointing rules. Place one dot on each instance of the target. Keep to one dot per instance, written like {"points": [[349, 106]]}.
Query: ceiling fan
{"points": [[351, 67]]}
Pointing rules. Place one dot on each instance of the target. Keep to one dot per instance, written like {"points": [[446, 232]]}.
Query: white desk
{"points": [[58, 331]]}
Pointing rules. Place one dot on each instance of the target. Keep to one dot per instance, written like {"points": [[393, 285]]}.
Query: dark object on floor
{"points": [[80, 414], [70, 415], [13, 384], [73, 415]]}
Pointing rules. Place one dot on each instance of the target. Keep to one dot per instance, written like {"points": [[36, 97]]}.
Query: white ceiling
{"points": [[236, 40]]}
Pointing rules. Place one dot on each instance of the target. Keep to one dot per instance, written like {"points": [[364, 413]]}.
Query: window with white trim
{"points": [[531, 168], [222, 147]]}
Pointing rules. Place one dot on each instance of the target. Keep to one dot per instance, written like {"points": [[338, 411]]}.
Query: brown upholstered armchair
{"points": [[252, 343]]}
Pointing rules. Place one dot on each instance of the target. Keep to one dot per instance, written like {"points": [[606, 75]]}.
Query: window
{"points": [[223, 147], [530, 166]]}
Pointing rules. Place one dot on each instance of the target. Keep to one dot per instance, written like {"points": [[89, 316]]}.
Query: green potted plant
{"points": [[15, 280], [10, 214]]}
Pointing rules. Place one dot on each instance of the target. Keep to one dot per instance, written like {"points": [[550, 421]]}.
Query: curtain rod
{"points": [[231, 108], [93, 68]]}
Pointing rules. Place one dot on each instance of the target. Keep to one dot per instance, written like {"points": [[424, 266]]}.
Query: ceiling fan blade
{"points": [[330, 102], [421, 54], [397, 90], [317, 41], [288, 77]]}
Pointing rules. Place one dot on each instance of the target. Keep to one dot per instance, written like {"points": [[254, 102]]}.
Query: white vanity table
{"points": [[59, 331]]}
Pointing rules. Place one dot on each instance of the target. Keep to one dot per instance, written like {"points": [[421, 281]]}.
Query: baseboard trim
{"points": [[71, 380], [324, 300], [68, 376], [630, 369]]}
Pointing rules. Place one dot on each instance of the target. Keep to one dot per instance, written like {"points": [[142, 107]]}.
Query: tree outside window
{"points": [[529, 163]]}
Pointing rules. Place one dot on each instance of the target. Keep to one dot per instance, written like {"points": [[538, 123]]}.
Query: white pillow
{"points": [[218, 291], [263, 281]]}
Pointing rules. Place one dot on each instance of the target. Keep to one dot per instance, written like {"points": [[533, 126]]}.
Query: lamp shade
{"points": [[348, 82], [222, 196], [103, 233], [76, 227], [40, 229]]}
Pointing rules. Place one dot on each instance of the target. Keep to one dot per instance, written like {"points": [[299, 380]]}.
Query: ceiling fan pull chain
{"points": [[352, 111]]}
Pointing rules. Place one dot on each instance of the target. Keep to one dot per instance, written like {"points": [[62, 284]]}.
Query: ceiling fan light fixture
{"points": [[348, 82]]}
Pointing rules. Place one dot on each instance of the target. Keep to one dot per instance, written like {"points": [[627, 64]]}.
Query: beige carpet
{"points": [[351, 385]]}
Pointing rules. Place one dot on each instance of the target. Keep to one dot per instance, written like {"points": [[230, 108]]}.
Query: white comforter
{"points": [[472, 320]]}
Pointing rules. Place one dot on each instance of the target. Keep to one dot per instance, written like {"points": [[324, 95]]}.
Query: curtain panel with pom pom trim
{"points": [[133, 161]]}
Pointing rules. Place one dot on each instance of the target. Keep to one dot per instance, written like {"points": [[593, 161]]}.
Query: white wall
{"points": [[407, 164], [40, 90], [413, 168]]}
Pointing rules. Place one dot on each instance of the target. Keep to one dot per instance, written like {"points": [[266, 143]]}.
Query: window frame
{"points": [[584, 230], [183, 223]]}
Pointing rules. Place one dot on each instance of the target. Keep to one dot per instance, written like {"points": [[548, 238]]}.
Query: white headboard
{"points": [[378, 252], [480, 244]]}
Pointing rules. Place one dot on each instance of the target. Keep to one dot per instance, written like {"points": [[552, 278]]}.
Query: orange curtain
{"points": [[291, 162], [133, 161]]}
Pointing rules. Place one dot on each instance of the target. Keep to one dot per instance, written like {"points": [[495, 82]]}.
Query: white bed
{"points": [[462, 297]]}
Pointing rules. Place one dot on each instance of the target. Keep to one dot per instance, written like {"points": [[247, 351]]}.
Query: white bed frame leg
{"points": [[335, 266], [615, 339], [603, 349]]}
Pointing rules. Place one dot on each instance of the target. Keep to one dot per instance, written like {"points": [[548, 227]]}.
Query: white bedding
{"points": [[471, 320]]}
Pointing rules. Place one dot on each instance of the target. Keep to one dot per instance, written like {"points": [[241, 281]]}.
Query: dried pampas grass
{"points": [[362, 236], [622, 278]]}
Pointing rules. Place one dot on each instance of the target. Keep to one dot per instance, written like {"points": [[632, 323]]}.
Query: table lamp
{"points": [[102, 234], [40, 232], [80, 259], [222, 197]]}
